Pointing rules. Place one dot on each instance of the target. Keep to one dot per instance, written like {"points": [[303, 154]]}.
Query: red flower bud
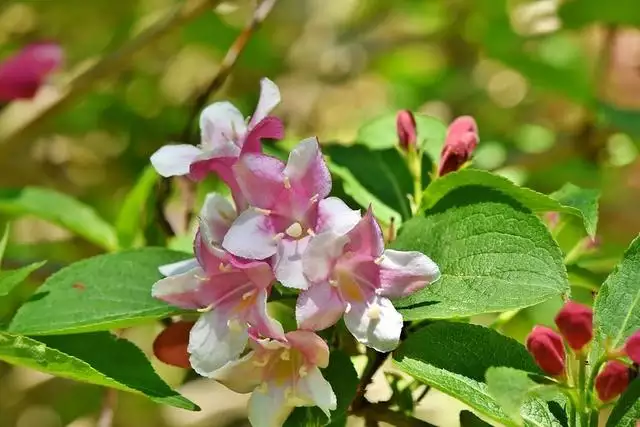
{"points": [[22, 75], [547, 349], [632, 347], [462, 138], [575, 322], [171, 344], [406, 128], [612, 380]]}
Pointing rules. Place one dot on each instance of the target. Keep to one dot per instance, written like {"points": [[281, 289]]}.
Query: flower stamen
{"points": [[374, 312], [287, 183], [266, 212], [278, 237], [205, 309], [294, 230]]}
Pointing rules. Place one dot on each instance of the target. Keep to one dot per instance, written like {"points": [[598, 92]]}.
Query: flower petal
{"points": [[260, 320], [366, 237], [375, 324], [212, 343], [288, 263], [22, 74], [269, 127], [181, 289], [307, 169], [251, 236], [319, 307], [318, 390], [319, 258], [241, 376], [334, 215], [218, 214], [403, 273], [221, 123], [174, 160], [260, 179], [269, 98], [178, 267], [314, 348], [269, 408]]}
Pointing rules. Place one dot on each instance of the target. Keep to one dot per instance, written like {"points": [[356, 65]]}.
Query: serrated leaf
{"points": [[96, 358], [99, 293], [627, 409], [59, 209], [579, 202], [9, 279], [469, 419], [494, 255], [129, 223], [453, 357]]}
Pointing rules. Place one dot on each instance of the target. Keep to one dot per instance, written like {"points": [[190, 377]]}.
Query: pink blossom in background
{"points": [[460, 142], [22, 74]]}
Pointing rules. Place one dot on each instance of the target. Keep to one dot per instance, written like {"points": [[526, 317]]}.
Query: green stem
{"points": [[414, 163], [582, 392], [504, 318]]}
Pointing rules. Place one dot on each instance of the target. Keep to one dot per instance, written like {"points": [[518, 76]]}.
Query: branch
{"points": [[381, 412], [373, 364], [109, 403], [108, 65], [235, 50]]}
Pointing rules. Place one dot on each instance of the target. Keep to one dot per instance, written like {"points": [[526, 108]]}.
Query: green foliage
{"points": [[493, 253], [469, 419], [9, 279], [584, 200], [627, 409], [580, 13], [129, 224], [96, 358], [99, 293], [60, 209], [4, 240]]}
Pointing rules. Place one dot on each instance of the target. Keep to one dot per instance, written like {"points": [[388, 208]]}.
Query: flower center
{"points": [[285, 366]]}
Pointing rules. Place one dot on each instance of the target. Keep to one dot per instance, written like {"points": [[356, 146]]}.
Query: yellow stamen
{"points": [[285, 355], [278, 237], [294, 230], [314, 198], [262, 211], [310, 232], [287, 183], [303, 371], [260, 363], [333, 282], [374, 312], [379, 259], [248, 295], [205, 309], [234, 325], [225, 268], [262, 388]]}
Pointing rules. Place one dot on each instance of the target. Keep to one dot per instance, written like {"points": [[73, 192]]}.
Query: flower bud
{"points": [[632, 347], [575, 322], [612, 380], [462, 138], [547, 349], [406, 128], [170, 346], [22, 75]]}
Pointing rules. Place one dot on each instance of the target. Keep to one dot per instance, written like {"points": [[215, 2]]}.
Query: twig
{"points": [[422, 395], [109, 65], [109, 402], [233, 53], [373, 364], [381, 412]]}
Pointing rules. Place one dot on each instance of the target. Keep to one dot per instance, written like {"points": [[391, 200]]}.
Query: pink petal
{"points": [[22, 75], [334, 215], [260, 178], [307, 169], [260, 320], [366, 237], [217, 214], [375, 324], [269, 98], [403, 273], [221, 123], [242, 375], [174, 160], [259, 272], [288, 263], [182, 290], [314, 348], [251, 236], [267, 128], [318, 261], [178, 267], [319, 307]]}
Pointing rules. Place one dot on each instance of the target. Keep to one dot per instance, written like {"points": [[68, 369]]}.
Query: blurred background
{"points": [[554, 86]]}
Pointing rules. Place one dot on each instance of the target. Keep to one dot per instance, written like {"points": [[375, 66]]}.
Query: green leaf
{"points": [[99, 293], [59, 209], [617, 306], [9, 279], [494, 255], [344, 381], [469, 419], [578, 13], [627, 409], [453, 357], [129, 223], [4, 240], [96, 358], [570, 199]]}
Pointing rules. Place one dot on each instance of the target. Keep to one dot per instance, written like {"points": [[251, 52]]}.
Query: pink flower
{"points": [[612, 380], [575, 322], [353, 275], [225, 136], [632, 347], [547, 349], [281, 374], [22, 74], [289, 207], [462, 138], [230, 292], [406, 129]]}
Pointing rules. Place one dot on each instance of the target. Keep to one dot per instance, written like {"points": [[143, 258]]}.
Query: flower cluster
{"points": [[284, 228], [575, 323]]}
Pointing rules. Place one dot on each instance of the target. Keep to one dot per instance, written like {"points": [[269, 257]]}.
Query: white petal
{"points": [[218, 214], [178, 267], [250, 236], [180, 289], [334, 215], [318, 390], [375, 324], [269, 98], [269, 408], [322, 251], [319, 307], [403, 273], [288, 263], [241, 376], [174, 160], [220, 123], [212, 343]]}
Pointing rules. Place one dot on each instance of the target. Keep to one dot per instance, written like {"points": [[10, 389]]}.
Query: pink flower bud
{"points": [[575, 322], [632, 347], [22, 75], [547, 349], [406, 128], [462, 138], [170, 346], [612, 380]]}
